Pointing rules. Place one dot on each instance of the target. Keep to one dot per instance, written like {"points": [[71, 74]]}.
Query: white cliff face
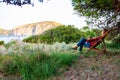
{"points": [[35, 28]]}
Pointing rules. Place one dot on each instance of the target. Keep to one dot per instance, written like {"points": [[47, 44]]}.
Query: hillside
{"points": [[4, 32], [34, 28]]}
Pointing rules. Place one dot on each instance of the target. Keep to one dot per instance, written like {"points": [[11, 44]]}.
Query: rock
{"points": [[34, 28]]}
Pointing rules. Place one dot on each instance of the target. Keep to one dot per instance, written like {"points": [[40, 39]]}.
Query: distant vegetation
{"points": [[63, 33], [1, 42]]}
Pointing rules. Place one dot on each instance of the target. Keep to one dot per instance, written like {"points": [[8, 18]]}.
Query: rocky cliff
{"points": [[34, 28]]}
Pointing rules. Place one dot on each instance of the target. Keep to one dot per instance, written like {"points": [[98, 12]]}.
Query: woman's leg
{"points": [[80, 44], [82, 41]]}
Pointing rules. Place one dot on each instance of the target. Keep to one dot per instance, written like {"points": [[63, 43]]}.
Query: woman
{"points": [[88, 42]]}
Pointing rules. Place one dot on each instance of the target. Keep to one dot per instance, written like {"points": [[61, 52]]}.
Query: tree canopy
{"points": [[19, 2], [97, 11], [93, 8]]}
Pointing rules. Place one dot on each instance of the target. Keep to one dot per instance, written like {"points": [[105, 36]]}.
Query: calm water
{"points": [[6, 39]]}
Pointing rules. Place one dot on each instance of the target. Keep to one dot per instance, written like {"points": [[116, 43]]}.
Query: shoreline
{"points": [[7, 39]]}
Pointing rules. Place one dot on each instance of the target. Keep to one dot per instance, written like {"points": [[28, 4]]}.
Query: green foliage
{"points": [[33, 39], [65, 34], [1, 42], [91, 33], [38, 66], [85, 28], [8, 64], [112, 45], [113, 35], [9, 44], [116, 39], [93, 8], [19, 2]]}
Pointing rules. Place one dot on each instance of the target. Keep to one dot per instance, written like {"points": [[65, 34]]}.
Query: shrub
{"points": [[9, 44], [1, 42], [116, 40], [63, 33]]}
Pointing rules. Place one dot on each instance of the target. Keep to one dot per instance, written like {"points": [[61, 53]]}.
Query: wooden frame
{"points": [[100, 41]]}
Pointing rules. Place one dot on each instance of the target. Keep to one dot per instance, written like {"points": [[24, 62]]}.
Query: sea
{"points": [[7, 39]]}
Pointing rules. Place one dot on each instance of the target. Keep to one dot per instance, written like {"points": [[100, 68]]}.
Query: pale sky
{"points": [[60, 11]]}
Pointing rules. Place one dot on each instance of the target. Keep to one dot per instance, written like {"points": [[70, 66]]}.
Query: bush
{"points": [[9, 44], [1, 42], [116, 40], [65, 34]]}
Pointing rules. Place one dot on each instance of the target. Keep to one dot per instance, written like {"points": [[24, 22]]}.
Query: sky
{"points": [[60, 11]]}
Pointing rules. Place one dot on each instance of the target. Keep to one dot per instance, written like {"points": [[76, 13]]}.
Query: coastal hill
{"points": [[4, 32], [30, 29], [34, 28]]}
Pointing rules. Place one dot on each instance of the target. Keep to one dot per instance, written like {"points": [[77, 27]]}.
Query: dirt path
{"points": [[100, 67], [9, 77]]}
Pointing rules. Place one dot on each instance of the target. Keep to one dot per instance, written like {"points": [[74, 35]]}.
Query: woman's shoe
{"points": [[75, 48]]}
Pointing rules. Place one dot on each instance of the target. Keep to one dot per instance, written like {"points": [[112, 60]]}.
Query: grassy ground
{"points": [[34, 61], [102, 67], [95, 66], [26, 61]]}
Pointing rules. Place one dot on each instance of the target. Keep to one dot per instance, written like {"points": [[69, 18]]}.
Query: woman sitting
{"points": [[88, 42]]}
